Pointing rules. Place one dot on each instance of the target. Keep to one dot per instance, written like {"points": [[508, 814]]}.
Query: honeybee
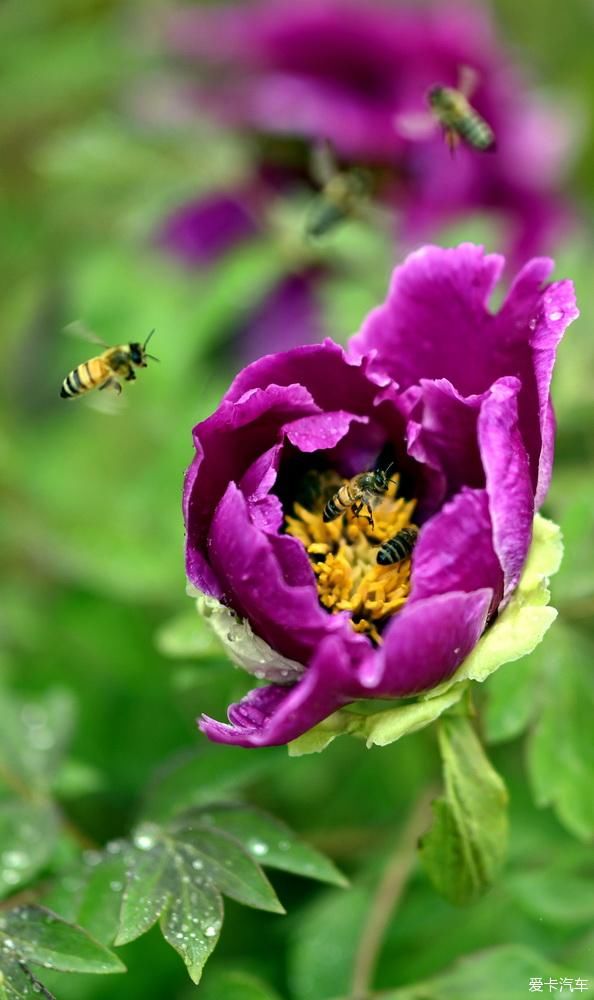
{"points": [[362, 491], [343, 191], [451, 108], [105, 370], [398, 547]]}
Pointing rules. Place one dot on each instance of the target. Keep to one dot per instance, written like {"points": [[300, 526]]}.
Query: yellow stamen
{"points": [[343, 554]]}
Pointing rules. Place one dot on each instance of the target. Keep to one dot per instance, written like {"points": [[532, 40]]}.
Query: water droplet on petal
{"points": [[210, 931], [555, 315]]}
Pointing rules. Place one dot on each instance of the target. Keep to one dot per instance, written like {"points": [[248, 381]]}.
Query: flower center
{"points": [[344, 551]]}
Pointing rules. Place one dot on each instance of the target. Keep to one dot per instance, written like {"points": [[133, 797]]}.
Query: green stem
{"points": [[387, 896]]}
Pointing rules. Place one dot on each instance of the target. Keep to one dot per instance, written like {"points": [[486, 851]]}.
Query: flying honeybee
{"points": [[343, 191], [105, 370], [362, 491], [398, 547], [451, 108]]}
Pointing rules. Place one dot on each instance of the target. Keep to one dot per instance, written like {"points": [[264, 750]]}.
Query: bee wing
{"points": [[415, 125], [468, 81], [111, 403], [323, 164], [79, 329]]}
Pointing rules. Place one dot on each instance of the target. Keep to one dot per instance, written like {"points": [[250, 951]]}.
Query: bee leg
{"points": [[112, 383], [452, 140], [130, 377], [358, 507]]}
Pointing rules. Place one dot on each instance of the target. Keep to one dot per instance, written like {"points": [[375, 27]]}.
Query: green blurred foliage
{"points": [[98, 691]]}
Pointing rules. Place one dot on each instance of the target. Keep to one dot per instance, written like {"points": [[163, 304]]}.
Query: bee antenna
{"points": [[146, 342], [152, 357]]}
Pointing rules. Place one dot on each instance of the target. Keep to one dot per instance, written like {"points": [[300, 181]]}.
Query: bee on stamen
{"points": [[398, 547], [105, 370], [364, 490]]}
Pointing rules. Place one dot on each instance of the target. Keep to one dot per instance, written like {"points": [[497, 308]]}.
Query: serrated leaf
{"points": [[18, 982], [90, 895], [561, 749], [147, 892], [192, 923], [466, 846], [28, 833], [177, 875], [40, 937], [503, 972], [271, 842], [207, 776], [222, 860]]}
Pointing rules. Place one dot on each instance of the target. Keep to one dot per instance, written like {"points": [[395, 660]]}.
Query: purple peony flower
{"points": [[352, 73], [454, 401]]}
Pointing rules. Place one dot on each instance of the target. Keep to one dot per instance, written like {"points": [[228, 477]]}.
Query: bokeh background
{"points": [[94, 619]]}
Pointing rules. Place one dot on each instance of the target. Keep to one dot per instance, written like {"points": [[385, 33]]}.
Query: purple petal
{"points": [[227, 445], [441, 296], [455, 551], [269, 580], [507, 470], [273, 715], [528, 329], [432, 325], [201, 231], [426, 642]]}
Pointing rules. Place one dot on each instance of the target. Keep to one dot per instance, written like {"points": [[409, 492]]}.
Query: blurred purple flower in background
{"points": [[457, 399], [348, 73]]}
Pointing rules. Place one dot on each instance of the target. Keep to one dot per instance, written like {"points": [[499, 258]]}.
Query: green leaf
{"points": [[271, 843], [28, 833], [503, 972], [510, 702], [177, 875], [561, 749], [466, 846], [324, 944], [18, 982], [236, 986], [163, 882], [39, 936], [206, 776], [90, 895], [558, 897], [223, 861]]}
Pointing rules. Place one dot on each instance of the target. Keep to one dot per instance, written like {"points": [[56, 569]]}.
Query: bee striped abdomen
{"points": [[340, 502], [398, 547], [88, 375], [476, 131]]}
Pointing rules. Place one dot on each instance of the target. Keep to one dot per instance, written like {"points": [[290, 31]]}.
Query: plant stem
{"points": [[387, 895]]}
